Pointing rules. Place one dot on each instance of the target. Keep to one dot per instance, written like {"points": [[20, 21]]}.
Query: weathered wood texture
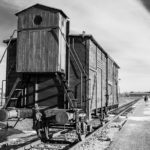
{"points": [[94, 60], [103, 80], [41, 47], [112, 82], [93, 75], [45, 91], [115, 84], [48, 92], [98, 79]]}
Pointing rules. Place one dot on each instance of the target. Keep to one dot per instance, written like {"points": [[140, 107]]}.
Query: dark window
{"points": [[37, 20]]}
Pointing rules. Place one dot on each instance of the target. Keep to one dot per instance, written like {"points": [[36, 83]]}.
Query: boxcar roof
{"points": [[96, 43], [40, 6]]}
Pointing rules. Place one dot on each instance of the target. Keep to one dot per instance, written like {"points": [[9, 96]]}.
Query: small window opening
{"points": [[38, 20]]}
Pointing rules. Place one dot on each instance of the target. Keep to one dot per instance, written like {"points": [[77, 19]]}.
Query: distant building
{"points": [[140, 94]]}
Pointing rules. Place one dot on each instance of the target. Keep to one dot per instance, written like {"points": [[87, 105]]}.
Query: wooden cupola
{"points": [[40, 42]]}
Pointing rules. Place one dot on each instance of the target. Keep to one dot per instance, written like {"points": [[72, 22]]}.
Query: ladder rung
{"points": [[74, 99], [64, 80], [69, 90], [18, 89], [13, 98]]}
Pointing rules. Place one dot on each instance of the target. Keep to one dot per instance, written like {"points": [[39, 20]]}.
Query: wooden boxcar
{"points": [[44, 50], [98, 87]]}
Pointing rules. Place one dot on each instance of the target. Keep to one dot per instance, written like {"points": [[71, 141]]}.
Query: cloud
{"points": [[120, 26], [146, 3], [8, 21]]}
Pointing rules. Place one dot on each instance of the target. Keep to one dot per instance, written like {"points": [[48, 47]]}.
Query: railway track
{"points": [[123, 107], [66, 139]]}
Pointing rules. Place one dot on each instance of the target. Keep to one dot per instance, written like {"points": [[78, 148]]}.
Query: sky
{"points": [[121, 27]]}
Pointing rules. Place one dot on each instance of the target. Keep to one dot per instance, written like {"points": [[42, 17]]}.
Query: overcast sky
{"points": [[121, 27]]}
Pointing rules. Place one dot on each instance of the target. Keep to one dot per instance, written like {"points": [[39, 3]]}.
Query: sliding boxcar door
{"points": [[92, 89]]}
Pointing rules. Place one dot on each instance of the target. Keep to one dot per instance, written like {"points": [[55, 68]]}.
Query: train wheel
{"points": [[81, 137]]}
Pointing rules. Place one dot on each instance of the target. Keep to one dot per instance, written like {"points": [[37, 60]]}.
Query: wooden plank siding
{"points": [[26, 18], [49, 93], [41, 48], [62, 43], [96, 71], [115, 83], [103, 80], [98, 65], [94, 62], [112, 82]]}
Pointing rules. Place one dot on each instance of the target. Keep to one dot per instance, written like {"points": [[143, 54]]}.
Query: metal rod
{"points": [[81, 82], [25, 98], [12, 91], [2, 92], [81, 89], [36, 90], [7, 45], [72, 52]]}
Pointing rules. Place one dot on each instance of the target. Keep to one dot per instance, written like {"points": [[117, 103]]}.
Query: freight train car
{"points": [[96, 89], [56, 78]]}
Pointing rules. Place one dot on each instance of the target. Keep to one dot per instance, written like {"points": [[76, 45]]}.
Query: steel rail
{"points": [[79, 144], [76, 145]]}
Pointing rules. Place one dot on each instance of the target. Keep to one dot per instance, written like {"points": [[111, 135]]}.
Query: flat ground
{"points": [[126, 99], [24, 129], [135, 135]]}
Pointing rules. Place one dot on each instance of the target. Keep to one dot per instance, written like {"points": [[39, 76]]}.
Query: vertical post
{"points": [[2, 92], [67, 51], [1, 96], [101, 110], [87, 83], [24, 96], [81, 89], [96, 94], [35, 90], [107, 95], [96, 84], [118, 90], [67, 61], [80, 79]]}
